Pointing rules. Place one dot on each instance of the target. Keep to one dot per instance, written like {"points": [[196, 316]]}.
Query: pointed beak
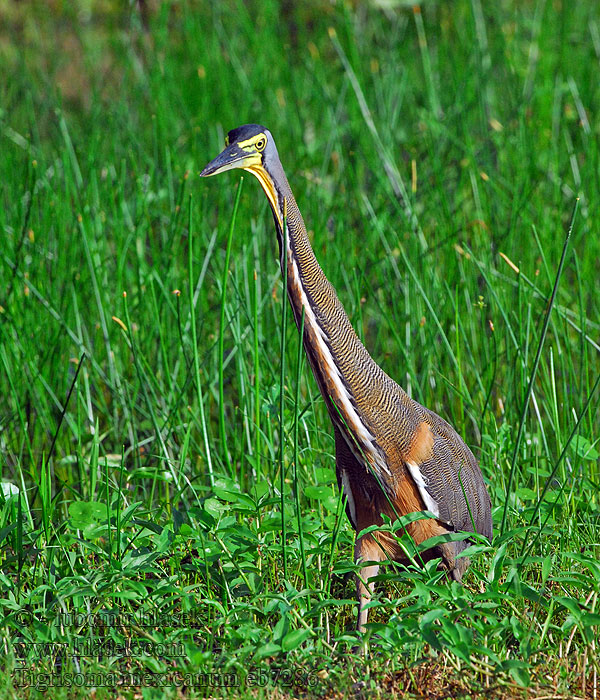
{"points": [[232, 157]]}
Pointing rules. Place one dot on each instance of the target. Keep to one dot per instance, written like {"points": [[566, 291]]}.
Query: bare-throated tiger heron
{"points": [[393, 456]]}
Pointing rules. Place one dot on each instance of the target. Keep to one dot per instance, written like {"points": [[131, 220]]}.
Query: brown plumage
{"points": [[393, 456]]}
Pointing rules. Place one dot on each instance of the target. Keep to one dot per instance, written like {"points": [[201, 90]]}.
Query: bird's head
{"points": [[250, 147]]}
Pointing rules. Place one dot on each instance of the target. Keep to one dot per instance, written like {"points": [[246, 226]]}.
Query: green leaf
{"points": [[294, 639], [324, 495], [518, 671], [584, 448], [432, 615], [269, 649], [281, 629], [84, 513], [324, 475], [214, 507], [241, 499], [319, 493], [546, 568]]}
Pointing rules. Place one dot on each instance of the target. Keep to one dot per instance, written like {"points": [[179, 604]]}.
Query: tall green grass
{"points": [[159, 453]]}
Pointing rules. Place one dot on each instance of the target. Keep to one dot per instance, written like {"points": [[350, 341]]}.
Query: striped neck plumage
{"points": [[326, 326]]}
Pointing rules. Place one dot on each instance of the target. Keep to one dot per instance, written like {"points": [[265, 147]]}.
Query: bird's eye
{"points": [[260, 144]]}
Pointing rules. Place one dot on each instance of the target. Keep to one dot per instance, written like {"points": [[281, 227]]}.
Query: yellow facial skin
{"points": [[246, 155]]}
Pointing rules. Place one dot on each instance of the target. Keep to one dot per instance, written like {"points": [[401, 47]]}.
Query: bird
{"points": [[393, 456]]}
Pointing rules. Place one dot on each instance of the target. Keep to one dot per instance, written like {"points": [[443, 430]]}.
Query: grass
{"points": [[155, 442]]}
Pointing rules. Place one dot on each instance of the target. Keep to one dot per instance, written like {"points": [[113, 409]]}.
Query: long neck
{"points": [[340, 363]]}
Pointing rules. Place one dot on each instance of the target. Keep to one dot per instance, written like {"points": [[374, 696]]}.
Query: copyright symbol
{"points": [[23, 618]]}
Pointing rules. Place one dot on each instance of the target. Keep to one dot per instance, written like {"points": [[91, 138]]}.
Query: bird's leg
{"points": [[366, 549], [455, 567], [459, 569]]}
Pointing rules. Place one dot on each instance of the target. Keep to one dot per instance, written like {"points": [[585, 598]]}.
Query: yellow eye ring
{"points": [[261, 143]]}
